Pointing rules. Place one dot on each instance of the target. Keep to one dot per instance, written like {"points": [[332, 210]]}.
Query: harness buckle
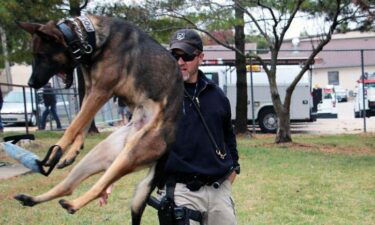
{"points": [[88, 48]]}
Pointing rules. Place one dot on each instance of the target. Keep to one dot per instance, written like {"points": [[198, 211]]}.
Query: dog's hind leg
{"points": [[142, 149], [97, 160]]}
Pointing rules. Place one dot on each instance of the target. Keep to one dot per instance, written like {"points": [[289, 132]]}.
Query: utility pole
{"points": [[8, 77]]}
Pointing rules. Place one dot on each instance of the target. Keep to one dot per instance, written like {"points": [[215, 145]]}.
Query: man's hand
{"points": [[103, 200], [232, 177]]}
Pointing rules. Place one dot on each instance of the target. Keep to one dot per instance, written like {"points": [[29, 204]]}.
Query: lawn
{"points": [[315, 180]]}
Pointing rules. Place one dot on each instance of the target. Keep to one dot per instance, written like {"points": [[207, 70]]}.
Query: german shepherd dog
{"points": [[126, 62]]}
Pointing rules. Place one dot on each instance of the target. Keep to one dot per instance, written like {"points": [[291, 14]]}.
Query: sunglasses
{"points": [[185, 57]]}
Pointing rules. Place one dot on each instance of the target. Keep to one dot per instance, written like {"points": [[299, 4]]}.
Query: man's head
{"points": [[187, 47]]}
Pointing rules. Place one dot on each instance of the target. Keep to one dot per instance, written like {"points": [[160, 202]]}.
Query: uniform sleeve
{"points": [[230, 137]]}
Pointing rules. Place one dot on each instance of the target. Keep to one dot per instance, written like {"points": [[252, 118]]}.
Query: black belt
{"points": [[194, 181]]}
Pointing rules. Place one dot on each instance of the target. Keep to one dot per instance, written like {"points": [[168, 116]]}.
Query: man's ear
{"points": [[29, 27]]}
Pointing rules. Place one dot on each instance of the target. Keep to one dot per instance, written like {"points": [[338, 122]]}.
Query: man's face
{"points": [[188, 65]]}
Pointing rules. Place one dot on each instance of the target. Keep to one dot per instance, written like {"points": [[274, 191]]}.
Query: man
{"points": [[49, 100], [123, 110], [193, 161], [200, 174]]}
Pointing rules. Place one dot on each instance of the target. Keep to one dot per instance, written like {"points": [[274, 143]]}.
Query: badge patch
{"points": [[180, 36]]}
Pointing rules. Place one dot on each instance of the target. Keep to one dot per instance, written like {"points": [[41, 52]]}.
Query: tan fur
{"points": [[137, 145]]}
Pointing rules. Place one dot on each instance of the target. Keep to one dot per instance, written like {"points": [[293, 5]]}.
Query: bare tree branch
{"points": [[270, 10], [264, 34], [288, 23], [320, 46], [194, 26], [84, 5]]}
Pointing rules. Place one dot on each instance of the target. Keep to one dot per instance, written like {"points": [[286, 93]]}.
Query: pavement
{"points": [[8, 171]]}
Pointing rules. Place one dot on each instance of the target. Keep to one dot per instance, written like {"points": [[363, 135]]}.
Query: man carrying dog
{"points": [[202, 173]]}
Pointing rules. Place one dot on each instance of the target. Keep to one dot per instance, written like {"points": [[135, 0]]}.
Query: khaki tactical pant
{"points": [[216, 205]]}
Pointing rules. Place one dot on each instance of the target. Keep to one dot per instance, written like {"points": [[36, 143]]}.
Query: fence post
{"points": [[252, 94], [363, 91], [25, 107]]}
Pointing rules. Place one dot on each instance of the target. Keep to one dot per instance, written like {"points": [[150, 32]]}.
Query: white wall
{"points": [[20, 74], [348, 76]]}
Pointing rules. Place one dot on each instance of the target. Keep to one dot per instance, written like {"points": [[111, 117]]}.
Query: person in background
{"points": [[1, 106], [49, 99], [123, 110]]}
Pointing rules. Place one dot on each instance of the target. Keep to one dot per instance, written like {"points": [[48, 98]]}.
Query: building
{"points": [[340, 61]]}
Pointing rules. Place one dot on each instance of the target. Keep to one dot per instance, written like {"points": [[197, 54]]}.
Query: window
{"points": [[333, 78]]}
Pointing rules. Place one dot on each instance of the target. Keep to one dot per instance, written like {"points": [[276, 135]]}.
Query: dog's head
{"points": [[51, 54]]}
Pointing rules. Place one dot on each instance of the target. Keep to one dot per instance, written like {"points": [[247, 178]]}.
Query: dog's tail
{"points": [[145, 188]]}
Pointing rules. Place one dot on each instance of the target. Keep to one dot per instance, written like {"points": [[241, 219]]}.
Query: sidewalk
{"points": [[8, 171]]}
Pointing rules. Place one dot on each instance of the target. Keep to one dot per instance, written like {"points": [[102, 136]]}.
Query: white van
{"points": [[369, 95], [264, 113]]}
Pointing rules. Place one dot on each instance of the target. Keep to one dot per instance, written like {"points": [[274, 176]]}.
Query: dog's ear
{"points": [[29, 27], [49, 32]]}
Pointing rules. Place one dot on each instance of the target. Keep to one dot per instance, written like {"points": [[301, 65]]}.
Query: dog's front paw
{"points": [[68, 160], [25, 200], [54, 154], [65, 204]]}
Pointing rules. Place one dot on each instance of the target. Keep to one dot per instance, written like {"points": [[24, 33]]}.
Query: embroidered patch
{"points": [[180, 36], [87, 24]]}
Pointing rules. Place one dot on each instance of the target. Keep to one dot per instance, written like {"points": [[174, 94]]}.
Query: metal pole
{"points": [[252, 94], [24, 104], [363, 92], [8, 75]]}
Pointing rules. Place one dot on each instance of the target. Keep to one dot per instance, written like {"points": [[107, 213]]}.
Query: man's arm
{"points": [[230, 140]]}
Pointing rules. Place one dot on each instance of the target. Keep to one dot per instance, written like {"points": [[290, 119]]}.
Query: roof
{"points": [[339, 52], [218, 54]]}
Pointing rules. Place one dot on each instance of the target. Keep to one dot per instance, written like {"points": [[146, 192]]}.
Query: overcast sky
{"points": [[300, 23]]}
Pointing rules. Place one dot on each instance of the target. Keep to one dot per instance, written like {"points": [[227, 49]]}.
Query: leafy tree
{"points": [[271, 20], [282, 14], [20, 10]]}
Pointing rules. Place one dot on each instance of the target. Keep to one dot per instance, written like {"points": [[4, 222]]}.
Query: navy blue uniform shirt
{"points": [[193, 152]]}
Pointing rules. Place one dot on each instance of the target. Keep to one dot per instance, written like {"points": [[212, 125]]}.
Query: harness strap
{"points": [[220, 152]]}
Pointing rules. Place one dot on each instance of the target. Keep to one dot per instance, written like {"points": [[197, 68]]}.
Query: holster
{"points": [[169, 213], [166, 211]]}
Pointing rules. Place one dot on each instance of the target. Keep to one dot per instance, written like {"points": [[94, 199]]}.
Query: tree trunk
{"points": [[283, 134], [241, 107]]}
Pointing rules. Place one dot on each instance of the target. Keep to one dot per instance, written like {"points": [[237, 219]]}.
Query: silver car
{"points": [[13, 110]]}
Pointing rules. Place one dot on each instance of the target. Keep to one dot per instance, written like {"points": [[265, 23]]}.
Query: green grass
{"points": [[315, 180]]}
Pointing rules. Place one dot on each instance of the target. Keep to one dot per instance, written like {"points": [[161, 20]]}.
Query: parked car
{"points": [[341, 94], [327, 106], [13, 111]]}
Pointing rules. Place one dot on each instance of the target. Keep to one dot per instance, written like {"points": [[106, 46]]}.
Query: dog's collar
{"points": [[81, 44]]}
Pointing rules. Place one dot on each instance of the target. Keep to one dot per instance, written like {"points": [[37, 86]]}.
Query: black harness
{"points": [[81, 42]]}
